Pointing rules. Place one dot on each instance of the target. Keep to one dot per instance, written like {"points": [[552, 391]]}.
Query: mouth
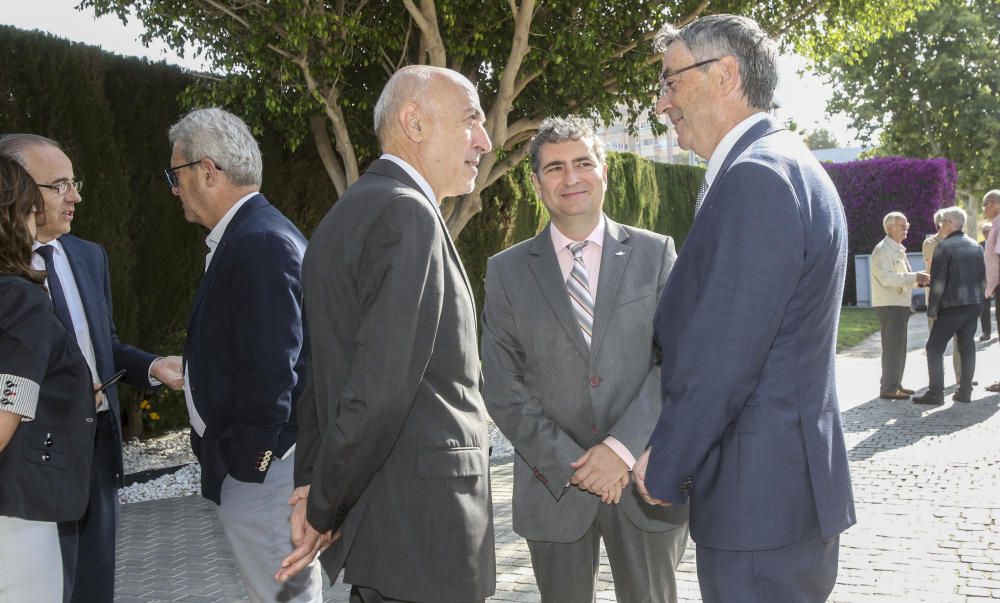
{"points": [[68, 213]]}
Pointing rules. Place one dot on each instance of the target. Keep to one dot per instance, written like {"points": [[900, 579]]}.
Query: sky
{"points": [[803, 98]]}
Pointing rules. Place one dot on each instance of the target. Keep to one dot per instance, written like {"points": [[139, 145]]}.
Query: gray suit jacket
{"points": [[554, 398], [393, 434]]}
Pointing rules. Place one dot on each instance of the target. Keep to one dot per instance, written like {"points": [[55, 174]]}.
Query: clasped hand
{"points": [[602, 472], [307, 541]]}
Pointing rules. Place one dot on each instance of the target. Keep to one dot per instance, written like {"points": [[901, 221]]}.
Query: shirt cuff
{"points": [[18, 395], [153, 381], [620, 449]]}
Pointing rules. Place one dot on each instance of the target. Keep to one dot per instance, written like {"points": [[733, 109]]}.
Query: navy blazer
{"points": [[89, 263], [244, 350], [751, 427]]}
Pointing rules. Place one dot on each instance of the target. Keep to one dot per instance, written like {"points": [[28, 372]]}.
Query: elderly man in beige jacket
{"points": [[891, 281]]}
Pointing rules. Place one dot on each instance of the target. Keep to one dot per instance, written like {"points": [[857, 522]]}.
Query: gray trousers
{"points": [[892, 320], [254, 518], [642, 563]]}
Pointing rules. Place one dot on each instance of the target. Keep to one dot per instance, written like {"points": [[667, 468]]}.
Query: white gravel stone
{"points": [[174, 448]]}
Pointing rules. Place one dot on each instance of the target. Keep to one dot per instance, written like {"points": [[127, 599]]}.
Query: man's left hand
{"points": [[307, 540], [599, 471], [639, 474]]}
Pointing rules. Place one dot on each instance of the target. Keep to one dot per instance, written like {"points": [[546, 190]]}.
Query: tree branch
{"points": [[426, 19], [335, 113], [317, 123], [501, 167], [793, 19], [693, 14]]}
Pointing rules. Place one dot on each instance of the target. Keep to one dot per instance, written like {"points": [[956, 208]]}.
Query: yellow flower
{"points": [[155, 416], [144, 404]]}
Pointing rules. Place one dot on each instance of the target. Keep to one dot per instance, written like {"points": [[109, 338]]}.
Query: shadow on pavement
{"points": [[900, 423]]}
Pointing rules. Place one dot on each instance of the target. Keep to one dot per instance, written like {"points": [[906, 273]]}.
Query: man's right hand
{"points": [[923, 279], [307, 540]]}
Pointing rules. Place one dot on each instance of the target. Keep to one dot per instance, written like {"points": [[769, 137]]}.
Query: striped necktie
{"points": [[701, 197], [578, 286]]}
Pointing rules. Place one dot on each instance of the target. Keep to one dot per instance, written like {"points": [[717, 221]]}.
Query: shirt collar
{"points": [[561, 241], [213, 238], [54, 244], [726, 145], [890, 241], [412, 172]]}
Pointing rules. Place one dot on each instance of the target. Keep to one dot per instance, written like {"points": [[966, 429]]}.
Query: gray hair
{"points": [[14, 145], [562, 129], [955, 215], [717, 36], [222, 137], [409, 83], [938, 217], [889, 218], [992, 196]]}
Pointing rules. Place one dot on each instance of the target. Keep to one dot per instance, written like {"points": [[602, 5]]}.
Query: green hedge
{"points": [[112, 114]]}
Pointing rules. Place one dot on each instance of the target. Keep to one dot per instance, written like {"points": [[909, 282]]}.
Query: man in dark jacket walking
{"points": [[958, 279]]}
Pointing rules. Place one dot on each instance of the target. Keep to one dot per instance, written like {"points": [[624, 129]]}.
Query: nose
{"points": [[73, 196], [663, 103], [481, 140]]}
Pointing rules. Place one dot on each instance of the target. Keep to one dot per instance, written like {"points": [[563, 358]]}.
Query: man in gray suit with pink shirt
{"points": [[572, 379]]}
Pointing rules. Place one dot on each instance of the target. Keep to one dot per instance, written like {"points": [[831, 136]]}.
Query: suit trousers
{"points": [[803, 572], [363, 594], [642, 563], [960, 322], [254, 518], [892, 320], [30, 569], [88, 544], [956, 354]]}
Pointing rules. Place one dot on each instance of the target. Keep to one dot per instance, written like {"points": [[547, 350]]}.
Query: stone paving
{"points": [[927, 487]]}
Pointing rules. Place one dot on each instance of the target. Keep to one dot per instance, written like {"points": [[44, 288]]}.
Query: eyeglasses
{"points": [[172, 177], [62, 187], [666, 86]]}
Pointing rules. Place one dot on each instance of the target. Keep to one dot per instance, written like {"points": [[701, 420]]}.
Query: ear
{"points": [[412, 122], [538, 185], [729, 75], [213, 175]]}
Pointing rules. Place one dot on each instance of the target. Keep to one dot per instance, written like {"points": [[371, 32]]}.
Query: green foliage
{"points": [[284, 61], [820, 139], [932, 90]]}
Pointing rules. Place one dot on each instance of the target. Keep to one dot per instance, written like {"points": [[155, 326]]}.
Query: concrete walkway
{"points": [[927, 488]]}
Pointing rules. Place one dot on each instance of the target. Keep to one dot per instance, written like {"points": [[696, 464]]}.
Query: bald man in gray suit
{"points": [[571, 380]]}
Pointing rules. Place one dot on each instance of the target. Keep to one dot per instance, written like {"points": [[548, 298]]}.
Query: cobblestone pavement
{"points": [[927, 486]]}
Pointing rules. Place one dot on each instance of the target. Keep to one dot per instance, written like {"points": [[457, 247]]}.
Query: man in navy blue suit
{"points": [[750, 430], [244, 356], [80, 285]]}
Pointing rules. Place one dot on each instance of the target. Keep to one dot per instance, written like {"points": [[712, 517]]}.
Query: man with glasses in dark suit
{"points": [[79, 282]]}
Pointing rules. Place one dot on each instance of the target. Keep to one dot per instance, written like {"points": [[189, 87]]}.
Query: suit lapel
{"points": [[545, 268], [762, 128], [388, 169], [252, 203], [615, 257]]}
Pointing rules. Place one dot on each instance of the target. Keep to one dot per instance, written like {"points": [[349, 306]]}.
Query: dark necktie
{"points": [[701, 197], [56, 289]]}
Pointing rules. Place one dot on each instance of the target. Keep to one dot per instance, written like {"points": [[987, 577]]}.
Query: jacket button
{"points": [[48, 440], [46, 457], [595, 381]]}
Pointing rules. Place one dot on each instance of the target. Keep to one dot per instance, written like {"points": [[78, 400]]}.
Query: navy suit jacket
{"points": [[750, 427], [89, 263], [244, 350]]}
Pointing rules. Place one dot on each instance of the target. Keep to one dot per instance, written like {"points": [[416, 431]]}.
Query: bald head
{"points": [[430, 118]]}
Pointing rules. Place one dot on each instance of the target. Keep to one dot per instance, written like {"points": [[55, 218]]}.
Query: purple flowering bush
{"points": [[872, 188]]}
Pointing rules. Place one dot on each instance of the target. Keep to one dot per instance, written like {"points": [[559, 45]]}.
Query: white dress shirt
{"points": [[726, 145], [75, 303], [412, 172], [212, 240]]}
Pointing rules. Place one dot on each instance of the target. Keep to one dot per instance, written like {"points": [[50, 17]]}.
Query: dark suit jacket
{"points": [[958, 274], [751, 426], [89, 262], [554, 397], [45, 468], [244, 350], [393, 435]]}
